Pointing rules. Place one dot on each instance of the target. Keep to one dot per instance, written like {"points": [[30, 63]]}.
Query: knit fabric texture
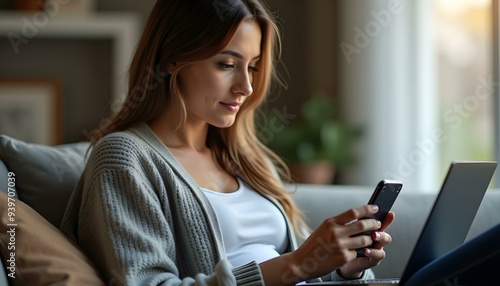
{"points": [[141, 218]]}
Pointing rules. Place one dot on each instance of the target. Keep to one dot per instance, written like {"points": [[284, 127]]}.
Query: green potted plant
{"points": [[318, 143]]}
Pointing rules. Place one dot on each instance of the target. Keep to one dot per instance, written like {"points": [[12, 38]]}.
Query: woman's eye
{"points": [[226, 66], [253, 69]]}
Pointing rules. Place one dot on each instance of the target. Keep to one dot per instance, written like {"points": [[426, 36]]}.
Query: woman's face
{"points": [[215, 89]]}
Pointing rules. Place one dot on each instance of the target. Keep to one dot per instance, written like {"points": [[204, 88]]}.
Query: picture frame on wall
{"points": [[30, 110]]}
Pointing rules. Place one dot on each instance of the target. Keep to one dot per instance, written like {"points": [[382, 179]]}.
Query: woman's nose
{"points": [[243, 84]]}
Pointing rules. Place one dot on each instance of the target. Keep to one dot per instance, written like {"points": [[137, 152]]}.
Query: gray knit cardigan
{"points": [[141, 218]]}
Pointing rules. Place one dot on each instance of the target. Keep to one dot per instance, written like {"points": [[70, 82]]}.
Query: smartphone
{"points": [[383, 196]]}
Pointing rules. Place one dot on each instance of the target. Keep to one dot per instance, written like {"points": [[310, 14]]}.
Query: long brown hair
{"points": [[185, 32]]}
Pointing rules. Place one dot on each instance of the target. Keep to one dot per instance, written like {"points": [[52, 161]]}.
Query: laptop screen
{"points": [[452, 214]]}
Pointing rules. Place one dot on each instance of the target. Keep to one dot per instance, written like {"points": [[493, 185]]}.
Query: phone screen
{"points": [[383, 196]]}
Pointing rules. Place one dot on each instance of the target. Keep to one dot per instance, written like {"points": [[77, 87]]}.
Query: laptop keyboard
{"points": [[381, 281], [369, 281]]}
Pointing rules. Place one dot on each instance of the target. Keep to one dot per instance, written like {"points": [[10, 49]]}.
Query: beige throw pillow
{"points": [[43, 255]]}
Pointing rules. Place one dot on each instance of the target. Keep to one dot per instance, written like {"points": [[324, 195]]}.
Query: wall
{"points": [[308, 32], [141, 7], [387, 85], [308, 35], [82, 65]]}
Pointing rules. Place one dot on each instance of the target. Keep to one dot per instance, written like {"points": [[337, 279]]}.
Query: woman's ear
{"points": [[171, 68]]}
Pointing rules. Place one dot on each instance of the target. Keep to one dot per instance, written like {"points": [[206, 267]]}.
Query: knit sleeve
{"points": [[367, 274], [123, 226]]}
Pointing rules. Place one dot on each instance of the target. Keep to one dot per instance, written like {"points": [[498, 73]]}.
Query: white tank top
{"points": [[252, 227]]}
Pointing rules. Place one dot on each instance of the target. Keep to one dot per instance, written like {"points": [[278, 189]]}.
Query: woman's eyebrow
{"points": [[236, 54]]}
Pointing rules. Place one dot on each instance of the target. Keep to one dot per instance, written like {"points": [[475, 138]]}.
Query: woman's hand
{"points": [[333, 245], [373, 256]]}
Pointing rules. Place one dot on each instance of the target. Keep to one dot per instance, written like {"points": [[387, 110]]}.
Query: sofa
{"points": [[37, 181]]}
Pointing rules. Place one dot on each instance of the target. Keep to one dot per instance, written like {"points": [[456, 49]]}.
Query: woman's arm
{"points": [[130, 226]]}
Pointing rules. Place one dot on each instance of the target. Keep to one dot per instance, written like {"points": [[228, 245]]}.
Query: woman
{"points": [[179, 190]]}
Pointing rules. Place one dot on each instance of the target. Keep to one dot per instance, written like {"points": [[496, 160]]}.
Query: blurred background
{"points": [[376, 89]]}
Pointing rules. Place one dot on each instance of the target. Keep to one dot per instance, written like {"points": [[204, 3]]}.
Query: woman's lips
{"points": [[231, 106]]}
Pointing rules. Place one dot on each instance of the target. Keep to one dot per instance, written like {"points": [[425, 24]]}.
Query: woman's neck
{"points": [[190, 136]]}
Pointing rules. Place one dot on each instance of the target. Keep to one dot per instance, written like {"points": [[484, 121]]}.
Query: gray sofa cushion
{"points": [[39, 168]]}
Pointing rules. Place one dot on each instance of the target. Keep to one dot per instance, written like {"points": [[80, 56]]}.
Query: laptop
{"points": [[448, 223]]}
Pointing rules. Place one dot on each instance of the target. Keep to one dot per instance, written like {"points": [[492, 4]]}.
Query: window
{"points": [[463, 50], [419, 76]]}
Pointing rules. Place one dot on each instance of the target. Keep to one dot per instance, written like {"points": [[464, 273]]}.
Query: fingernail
{"points": [[377, 235], [374, 207], [379, 224], [368, 251]]}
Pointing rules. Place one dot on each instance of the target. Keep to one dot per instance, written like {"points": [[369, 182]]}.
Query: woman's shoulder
{"points": [[118, 141], [136, 138], [134, 148], [119, 147]]}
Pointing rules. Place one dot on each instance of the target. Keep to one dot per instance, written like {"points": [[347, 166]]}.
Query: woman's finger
{"points": [[375, 256], [389, 219], [355, 214], [381, 239], [363, 227]]}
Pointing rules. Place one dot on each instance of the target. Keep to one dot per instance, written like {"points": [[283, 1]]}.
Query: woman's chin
{"points": [[223, 123]]}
